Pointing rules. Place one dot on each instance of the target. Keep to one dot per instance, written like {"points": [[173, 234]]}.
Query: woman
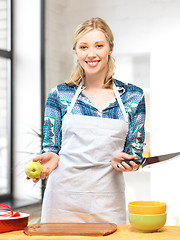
{"points": [[92, 123]]}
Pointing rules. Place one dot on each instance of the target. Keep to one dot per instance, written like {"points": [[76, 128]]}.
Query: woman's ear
{"points": [[110, 51]]}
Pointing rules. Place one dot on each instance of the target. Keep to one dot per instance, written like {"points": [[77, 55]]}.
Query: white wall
{"points": [[26, 101], [58, 54]]}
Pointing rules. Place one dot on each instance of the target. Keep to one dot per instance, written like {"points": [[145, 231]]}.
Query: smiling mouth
{"points": [[92, 63]]}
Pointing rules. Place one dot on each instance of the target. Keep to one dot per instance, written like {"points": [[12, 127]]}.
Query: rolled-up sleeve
{"points": [[136, 134]]}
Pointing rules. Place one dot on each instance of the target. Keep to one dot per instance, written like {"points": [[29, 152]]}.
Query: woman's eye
{"points": [[83, 47], [99, 46]]}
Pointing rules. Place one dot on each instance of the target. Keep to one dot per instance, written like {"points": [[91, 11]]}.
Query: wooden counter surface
{"points": [[124, 232]]}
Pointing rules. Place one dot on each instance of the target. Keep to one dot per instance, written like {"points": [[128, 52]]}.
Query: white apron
{"points": [[84, 187]]}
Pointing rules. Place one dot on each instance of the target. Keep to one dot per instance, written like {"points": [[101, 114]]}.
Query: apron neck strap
{"points": [[120, 102], [78, 91]]}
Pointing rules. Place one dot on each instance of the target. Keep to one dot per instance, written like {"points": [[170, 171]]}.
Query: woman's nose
{"points": [[91, 52]]}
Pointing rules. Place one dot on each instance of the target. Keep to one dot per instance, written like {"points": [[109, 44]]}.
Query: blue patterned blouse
{"points": [[60, 98]]}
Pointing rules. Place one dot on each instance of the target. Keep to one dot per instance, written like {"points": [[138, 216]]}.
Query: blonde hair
{"points": [[78, 73]]}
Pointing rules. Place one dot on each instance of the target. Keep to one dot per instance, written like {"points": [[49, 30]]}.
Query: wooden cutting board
{"points": [[70, 229]]}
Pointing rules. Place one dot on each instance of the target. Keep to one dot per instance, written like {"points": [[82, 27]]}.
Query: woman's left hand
{"points": [[118, 162]]}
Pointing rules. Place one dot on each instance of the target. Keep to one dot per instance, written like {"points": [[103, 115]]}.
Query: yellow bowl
{"points": [[147, 207], [147, 223]]}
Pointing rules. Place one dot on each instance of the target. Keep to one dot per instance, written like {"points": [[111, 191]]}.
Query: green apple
{"points": [[33, 169]]}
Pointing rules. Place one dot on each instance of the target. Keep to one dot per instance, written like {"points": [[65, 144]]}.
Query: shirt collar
{"points": [[120, 86]]}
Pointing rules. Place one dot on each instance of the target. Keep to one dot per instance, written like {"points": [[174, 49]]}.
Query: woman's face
{"points": [[92, 51]]}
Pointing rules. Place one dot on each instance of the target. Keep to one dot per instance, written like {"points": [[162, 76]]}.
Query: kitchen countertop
{"points": [[124, 232]]}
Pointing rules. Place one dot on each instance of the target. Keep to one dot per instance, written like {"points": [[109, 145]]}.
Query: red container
{"points": [[8, 224]]}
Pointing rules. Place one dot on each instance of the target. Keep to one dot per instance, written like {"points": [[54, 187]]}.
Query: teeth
{"points": [[92, 63]]}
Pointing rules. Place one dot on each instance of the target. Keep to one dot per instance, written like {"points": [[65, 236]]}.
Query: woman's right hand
{"points": [[118, 162], [49, 161]]}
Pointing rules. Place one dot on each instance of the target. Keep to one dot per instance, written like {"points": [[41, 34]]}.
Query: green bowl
{"points": [[147, 223]]}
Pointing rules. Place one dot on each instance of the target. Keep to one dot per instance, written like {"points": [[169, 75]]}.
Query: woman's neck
{"points": [[94, 81]]}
